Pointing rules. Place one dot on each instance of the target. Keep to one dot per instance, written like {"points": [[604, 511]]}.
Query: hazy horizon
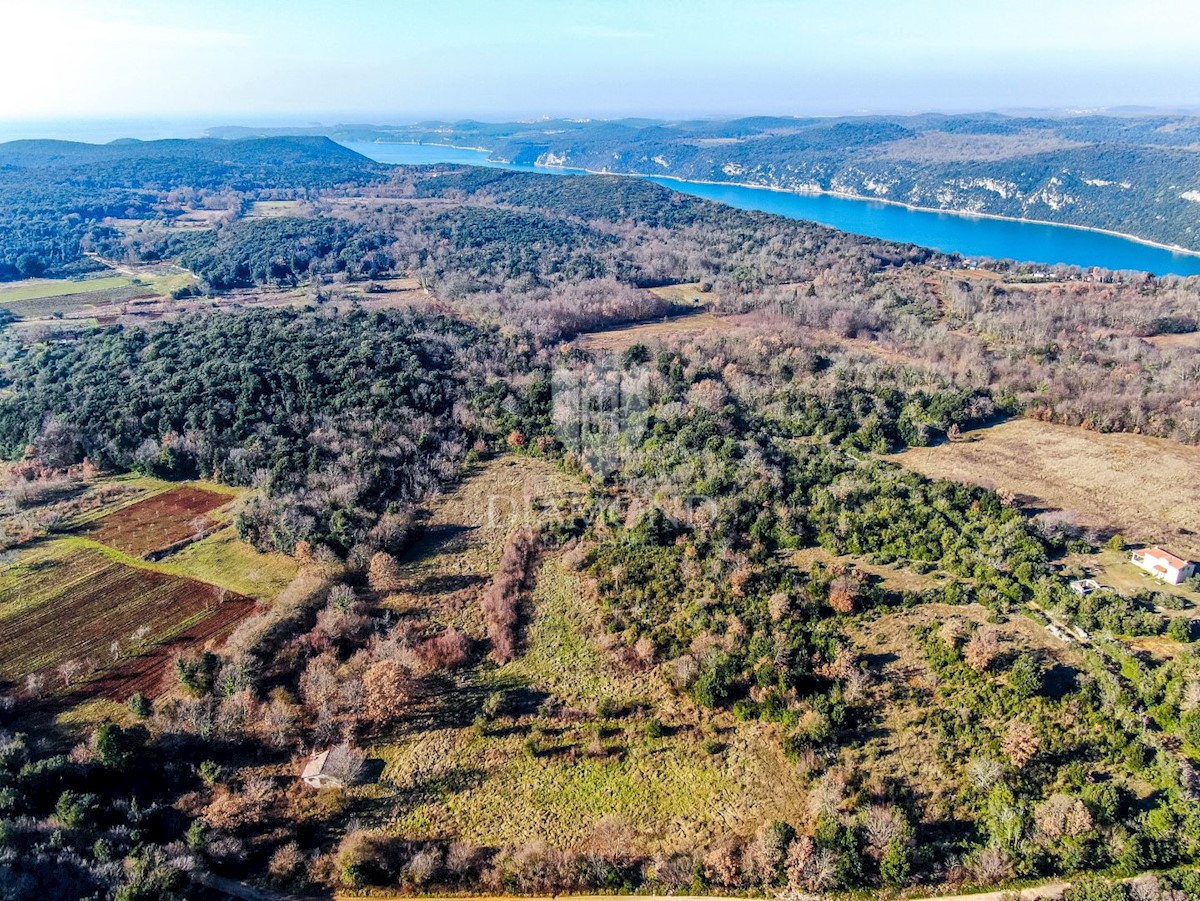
{"points": [[380, 62]]}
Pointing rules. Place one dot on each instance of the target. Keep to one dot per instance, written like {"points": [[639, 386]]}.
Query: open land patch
{"points": [[893, 577], [903, 689], [463, 533], [67, 600], [274, 209], [158, 522], [43, 298], [619, 339], [561, 777], [1147, 489]]}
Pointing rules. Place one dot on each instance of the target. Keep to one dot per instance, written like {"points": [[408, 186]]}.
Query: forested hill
{"points": [[199, 163], [54, 195], [1138, 175]]}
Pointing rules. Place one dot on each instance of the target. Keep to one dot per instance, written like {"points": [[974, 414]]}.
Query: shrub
{"points": [[499, 602], [383, 573]]}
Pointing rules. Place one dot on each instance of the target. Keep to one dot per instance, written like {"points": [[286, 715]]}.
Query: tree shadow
{"points": [[431, 541], [372, 770], [1059, 681], [446, 584]]}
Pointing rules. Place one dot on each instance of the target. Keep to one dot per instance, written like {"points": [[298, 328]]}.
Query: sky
{"points": [[270, 62]]}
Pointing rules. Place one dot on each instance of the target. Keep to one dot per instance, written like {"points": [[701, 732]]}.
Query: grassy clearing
{"points": [[561, 655], [42, 298], [463, 533], [895, 578], [527, 778], [274, 209], [901, 743], [619, 339], [685, 294], [222, 559], [1148, 489]]}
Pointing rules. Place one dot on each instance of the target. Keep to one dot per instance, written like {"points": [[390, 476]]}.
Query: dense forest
{"points": [[1133, 174], [339, 419], [705, 464]]}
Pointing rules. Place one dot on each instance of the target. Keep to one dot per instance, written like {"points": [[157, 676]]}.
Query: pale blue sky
{"points": [[395, 60]]}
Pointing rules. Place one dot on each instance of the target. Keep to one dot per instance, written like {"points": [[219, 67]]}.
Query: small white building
{"points": [[315, 773], [1164, 565]]}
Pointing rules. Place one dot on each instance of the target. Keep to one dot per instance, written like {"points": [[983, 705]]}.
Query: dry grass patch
{"points": [[904, 688], [277, 209], [685, 294], [1147, 489], [895, 578], [463, 533], [619, 339]]}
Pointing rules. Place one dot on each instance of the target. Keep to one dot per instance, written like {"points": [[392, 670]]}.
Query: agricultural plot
{"points": [[42, 298], [69, 610], [1148, 489], [159, 522]]}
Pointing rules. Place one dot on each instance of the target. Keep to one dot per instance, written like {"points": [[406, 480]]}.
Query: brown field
{"points": [[145, 673], [1188, 340], [70, 602], [158, 522], [686, 294], [1147, 489], [618, 339]]}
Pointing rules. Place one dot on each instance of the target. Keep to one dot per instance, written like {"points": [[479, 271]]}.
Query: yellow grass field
{"points": [[619, 339], [1147, 489]]}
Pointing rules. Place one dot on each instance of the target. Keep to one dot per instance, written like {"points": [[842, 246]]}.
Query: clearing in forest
{"points": [[619, 339], [275, 209], [158, 522], [903, 690], [587, 748], [42, 298], [1147, 489], [462, 535], [72, 612]]}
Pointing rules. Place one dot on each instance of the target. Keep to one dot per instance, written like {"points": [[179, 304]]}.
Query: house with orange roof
{"points": [[1164, 565]]}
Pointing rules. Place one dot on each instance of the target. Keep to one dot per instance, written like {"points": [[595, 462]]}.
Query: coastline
{"points": [[841, 195], [846, 195]]}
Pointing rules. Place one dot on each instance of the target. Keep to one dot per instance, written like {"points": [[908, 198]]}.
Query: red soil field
{"points": [[148, 673], [150, 616], [157, 522]]}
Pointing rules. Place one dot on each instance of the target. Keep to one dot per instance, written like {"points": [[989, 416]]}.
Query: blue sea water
{"points": [[971, 236]]}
